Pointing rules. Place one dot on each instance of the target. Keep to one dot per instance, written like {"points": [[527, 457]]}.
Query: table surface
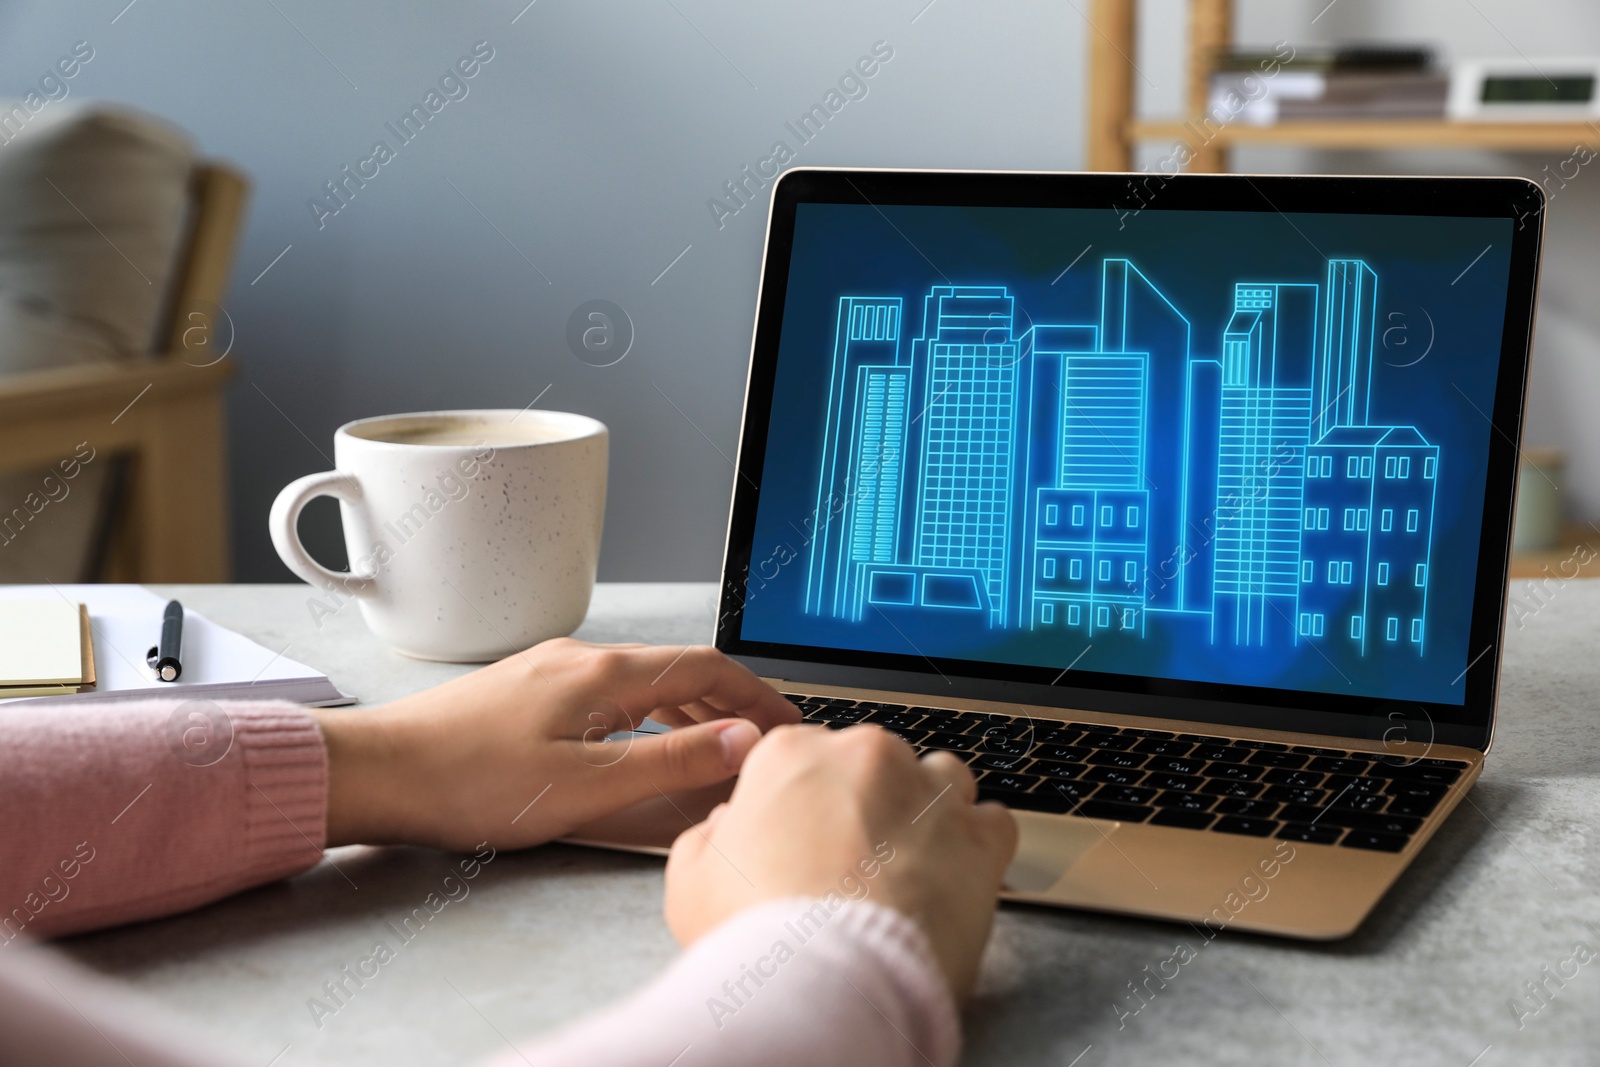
{"points": [[1506, 889]]}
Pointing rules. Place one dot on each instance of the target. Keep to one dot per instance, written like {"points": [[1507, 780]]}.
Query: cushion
{"points": [[97, 199]]}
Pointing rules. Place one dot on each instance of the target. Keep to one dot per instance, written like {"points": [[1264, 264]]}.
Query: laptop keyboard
{"points": [[1323, 796]]}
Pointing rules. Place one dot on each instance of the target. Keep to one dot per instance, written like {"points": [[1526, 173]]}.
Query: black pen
{"points": [[163, 658]]}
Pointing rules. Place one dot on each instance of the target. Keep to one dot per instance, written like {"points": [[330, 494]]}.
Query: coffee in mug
{"points": [[471, 534]]}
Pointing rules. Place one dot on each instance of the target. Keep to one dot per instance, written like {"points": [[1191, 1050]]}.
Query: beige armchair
{"points": [[158, 420]]}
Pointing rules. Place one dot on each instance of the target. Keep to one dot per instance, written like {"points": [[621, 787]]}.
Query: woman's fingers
{"points": [[644, 679], [949, 772], [999, 831]]}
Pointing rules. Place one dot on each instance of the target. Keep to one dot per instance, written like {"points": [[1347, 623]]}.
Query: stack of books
{"points": [[1344, 82]]}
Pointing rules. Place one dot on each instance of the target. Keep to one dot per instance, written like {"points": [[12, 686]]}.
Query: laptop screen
{"points": [[1248, 448]]}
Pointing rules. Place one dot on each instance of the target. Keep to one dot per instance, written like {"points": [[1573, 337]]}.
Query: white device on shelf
{"points": [[1508, 90]]}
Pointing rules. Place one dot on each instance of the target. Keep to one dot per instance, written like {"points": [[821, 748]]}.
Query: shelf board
{"points": [[1386, 133]]}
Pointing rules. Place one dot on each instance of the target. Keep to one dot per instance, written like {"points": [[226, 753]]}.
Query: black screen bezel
{"points": [[1470, 724]]}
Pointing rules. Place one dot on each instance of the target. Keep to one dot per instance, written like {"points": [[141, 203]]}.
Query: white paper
{"points": [[126, 621]]}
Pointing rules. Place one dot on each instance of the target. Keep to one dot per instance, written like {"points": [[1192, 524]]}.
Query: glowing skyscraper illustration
{"points": [[965, 494], [1104, 478]]}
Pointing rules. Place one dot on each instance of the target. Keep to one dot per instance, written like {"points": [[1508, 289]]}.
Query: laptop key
{"points": [[1235, 824], [1262, 746], [835, 713], [1346, 785], [1277, 759], [910, 735], [889, 720], [1300, 813], [1417, 773], [1167, 746], [1111, 741], [1296, 779], [1111, 758], [1126, 794], [1235, 772], [1002, 726], [1058, 735], [1049, 801], [1071, 791], [1401, 787], [1107, 809], [1364, 801], [1214, 751], [1156, 734], [1187, 820], [1223, 787], [1419, 794], [1003, 745], [1255, 809], [878, 705], [1184, 801], [966, 721], [1178, 783], [1374, 842], [1420, 809], [1113, 775], [949, 742], [1175, 765], [1330, 765], [992, 762], [1313, 835], [1053, 769], [1310, 750], [1096, 727], [1064, 753], [1288, 794], [1009, 782], [1371, 823]]}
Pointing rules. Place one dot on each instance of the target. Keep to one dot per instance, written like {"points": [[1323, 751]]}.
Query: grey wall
{"points": [[590, 144]]}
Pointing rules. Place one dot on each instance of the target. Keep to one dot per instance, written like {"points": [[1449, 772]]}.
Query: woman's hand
{"points": [[515, 753], [855, 813]]}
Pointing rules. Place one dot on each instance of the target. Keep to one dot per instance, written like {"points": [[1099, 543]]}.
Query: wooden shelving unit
{"points": [[1115, 131]]}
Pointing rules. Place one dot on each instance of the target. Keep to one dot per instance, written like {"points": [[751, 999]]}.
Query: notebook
{"points": [[45, 648], [217, 662]]}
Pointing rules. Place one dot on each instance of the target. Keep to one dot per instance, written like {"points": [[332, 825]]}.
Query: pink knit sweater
{"points": [[115, 813]]}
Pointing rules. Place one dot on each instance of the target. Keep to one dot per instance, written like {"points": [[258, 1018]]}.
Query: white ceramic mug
{"points": [[471, 534]]}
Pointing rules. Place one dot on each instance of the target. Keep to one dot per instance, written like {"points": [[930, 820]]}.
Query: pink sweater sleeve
{"points": [[118, 812], [114, 813], [786, 984]]}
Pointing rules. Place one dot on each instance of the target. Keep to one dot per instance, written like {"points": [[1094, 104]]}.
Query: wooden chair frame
{"points": [[165, 414]]}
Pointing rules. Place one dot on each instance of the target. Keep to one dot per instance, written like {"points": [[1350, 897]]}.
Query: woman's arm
{"points": [[115, 812], [118, 812], [833, 906], [789, 983], [836, 907]]}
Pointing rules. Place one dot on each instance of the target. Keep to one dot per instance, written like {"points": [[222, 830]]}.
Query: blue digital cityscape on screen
{"points": [[1230, 447]]}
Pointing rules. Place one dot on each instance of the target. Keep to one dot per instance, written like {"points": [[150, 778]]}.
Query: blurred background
{"points": [[585, 161]]}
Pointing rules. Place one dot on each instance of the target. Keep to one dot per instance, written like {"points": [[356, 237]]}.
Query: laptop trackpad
{"points": [[1047, 848]]}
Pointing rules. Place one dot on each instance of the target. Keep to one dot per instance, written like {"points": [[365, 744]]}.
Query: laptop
{"points": [[1179, 507]]}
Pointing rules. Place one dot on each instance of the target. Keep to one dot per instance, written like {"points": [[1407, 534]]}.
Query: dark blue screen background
{"points": [[1128, 466]]}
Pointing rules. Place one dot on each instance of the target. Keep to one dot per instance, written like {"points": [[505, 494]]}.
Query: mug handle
{"points": [[285, 516]]}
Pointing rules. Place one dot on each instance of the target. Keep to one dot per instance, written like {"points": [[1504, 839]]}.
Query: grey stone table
{"points": [[1508, 888]]}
